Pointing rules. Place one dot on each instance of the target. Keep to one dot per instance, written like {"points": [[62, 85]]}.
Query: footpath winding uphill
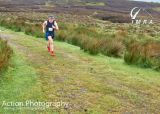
{"points": [[90, 84]]}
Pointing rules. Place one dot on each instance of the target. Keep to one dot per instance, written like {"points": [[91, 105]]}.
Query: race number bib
{"points": [[50, 29]]}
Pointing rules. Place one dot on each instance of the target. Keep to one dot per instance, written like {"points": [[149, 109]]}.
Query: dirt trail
{"points": [[89, 85]]}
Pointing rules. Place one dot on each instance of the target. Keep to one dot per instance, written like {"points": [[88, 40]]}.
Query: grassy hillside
{"points": [[137, 46], [91, 84], [100, 67]]}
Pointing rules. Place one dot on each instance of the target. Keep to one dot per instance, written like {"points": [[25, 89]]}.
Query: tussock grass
{"points": [[113, 43], [5, 54], [144, 54]]}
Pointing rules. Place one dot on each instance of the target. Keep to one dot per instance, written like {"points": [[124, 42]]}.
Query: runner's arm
{"points": [[44, 26], [56, 26]]}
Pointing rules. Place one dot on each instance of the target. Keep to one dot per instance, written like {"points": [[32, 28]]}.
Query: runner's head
{"points": [[51, 19]]}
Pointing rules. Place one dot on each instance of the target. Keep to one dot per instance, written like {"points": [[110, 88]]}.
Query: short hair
{"points": [[51, 17]]}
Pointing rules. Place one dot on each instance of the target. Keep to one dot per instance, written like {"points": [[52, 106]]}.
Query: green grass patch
{"points": [[18, 84]]}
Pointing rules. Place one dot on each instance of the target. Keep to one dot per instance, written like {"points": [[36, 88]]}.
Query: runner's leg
{"points": [[48, 43], [48, 46], [51, 43]]}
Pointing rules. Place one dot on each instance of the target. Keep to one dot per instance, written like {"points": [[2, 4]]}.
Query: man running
{"points": [[49, 28]]}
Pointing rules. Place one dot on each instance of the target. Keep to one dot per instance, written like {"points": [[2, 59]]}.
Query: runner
{"points": [[49, 28]]}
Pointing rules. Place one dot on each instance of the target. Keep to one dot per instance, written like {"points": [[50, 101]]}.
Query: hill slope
{"points": [[112, 10], [91, 84]]}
